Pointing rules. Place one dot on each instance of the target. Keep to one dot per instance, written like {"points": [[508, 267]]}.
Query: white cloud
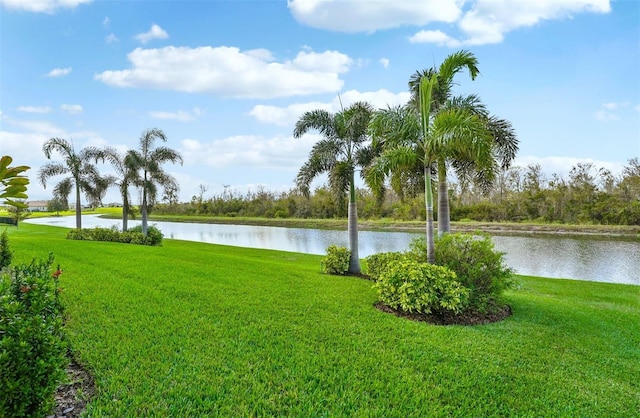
{"points": [[111, 38], [106, 22], [287, 116], [71, 109], [42, 6], [156, 32], [58, 72], [479, 21], [229, 72], [34, 109], [180, 115], [249, 150], [435, 37], [384, 62], [608, 111], [372, 15]]}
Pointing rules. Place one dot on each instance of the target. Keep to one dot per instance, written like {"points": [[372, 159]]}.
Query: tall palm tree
{"points": [[147, 163], [83, 174], [343, 148], [412, 139], [127, 176]]}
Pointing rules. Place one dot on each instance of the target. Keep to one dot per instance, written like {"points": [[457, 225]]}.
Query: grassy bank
{"points": [[192, 329], [498, 228]]}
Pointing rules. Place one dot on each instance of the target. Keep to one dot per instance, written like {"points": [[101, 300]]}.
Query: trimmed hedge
{"points": [[132, 236]]}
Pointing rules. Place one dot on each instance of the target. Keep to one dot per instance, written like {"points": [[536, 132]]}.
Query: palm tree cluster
{"points": [[140, 168], [403, 146]]}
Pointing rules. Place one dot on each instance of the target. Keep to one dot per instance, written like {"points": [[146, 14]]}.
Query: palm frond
{"points": [[50, 170]]}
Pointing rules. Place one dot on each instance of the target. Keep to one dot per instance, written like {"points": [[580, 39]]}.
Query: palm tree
{"points": [[412, 140], [147, 163], [341, 150], [84, 175], [127, 176]]}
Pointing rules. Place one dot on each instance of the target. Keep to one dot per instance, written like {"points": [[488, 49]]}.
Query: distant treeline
{"points": [[590, 195]]}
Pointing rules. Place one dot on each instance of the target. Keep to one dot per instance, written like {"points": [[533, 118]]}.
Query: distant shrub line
{"points": [[132, 236]]}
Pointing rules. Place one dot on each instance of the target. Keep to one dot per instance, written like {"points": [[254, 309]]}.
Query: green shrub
{"points": [[336, 261], [6, 255], [32, 343], [132, 236], [377, 263], [478, 266], [412, 286]]}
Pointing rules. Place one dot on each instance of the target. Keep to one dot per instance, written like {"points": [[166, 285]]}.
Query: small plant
{"points": [[32, 342], [336, 261], [6, 255], [412, 286]]}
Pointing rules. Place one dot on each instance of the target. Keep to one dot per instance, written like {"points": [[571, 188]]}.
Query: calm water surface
{"points": [[558, 257]]}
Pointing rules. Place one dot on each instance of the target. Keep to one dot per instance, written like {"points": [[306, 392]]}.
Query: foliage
{"points": [[18, 213], [411, 286], [144, 169], [377, 263], [477, 265], [32, 341], [57, 205], [13, 184], [6, 255], [336, 261], [83, 176], [132, 236], [210, 330]]}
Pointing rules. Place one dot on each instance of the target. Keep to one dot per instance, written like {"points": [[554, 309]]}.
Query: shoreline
{"points": [[621, 232]]}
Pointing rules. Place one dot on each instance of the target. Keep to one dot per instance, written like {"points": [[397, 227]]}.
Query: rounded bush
{"points": [[336, 261], [411, 286]]}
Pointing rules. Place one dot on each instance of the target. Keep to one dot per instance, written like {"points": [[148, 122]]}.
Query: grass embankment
{"points": [[498, 228], [192, 329]]}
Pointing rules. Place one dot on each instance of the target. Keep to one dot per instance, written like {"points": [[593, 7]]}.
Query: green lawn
{"points": [[191, 329]]}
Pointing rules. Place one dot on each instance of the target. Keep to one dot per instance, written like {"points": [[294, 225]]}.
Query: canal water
{"points": [[601, 260]]}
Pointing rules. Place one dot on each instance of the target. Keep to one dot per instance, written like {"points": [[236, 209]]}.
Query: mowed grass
{"points": [[191, 329]]}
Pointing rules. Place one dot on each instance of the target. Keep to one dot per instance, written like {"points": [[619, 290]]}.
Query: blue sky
{"points": [[226, 80]]}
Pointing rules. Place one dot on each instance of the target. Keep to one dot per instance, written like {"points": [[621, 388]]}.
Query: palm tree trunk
{"points": [[444, 218], [431, 247], [125, 215], [354, 260], [78, 207], [143, 211]]}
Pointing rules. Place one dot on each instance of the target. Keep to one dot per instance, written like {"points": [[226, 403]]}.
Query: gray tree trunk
{"points": [[78, 208], [143, 212], [431, 247], [444, 217], [125, 216], [354, 260]]}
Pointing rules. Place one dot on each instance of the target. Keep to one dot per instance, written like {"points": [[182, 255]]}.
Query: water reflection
{"points": [[576, 258]]}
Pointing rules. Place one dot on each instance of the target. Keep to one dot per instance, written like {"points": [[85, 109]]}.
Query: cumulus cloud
{"points": [[180, 115], [106, 22], [372, 15], [287, 116], [230, 72], [478, 22], [280, 152], [384, 62], [71, 109], [42, 6], [111, 38], [58, 72], [156, 32], [609, 111], [34, 109]]}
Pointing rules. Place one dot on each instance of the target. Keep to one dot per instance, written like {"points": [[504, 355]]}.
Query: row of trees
{"points": [[140, 168], [588, 195]]}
